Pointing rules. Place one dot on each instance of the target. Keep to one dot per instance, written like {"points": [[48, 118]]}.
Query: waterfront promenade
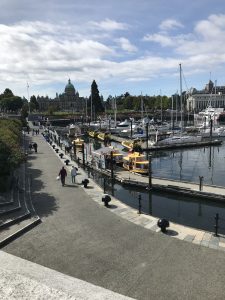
{"points": [[113, 248]]}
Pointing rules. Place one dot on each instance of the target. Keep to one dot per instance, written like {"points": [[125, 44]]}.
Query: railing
{"points": [[218, 222]]}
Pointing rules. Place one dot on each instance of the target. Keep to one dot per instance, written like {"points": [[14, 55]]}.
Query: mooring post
{"points": [[104, 184], [150, 172], [111, 164], [211, 125], [139, 203], [201, 183], [83, 156], [217, 224]]}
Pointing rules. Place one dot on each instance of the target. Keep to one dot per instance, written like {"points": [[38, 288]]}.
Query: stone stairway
{"points": [[17, 214]]}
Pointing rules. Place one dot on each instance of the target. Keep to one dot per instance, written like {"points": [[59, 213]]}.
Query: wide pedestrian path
{"points": [[119, 251]]}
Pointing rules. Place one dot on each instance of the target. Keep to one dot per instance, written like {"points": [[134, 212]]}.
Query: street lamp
{"points": [[131, 127], [28, 96]]}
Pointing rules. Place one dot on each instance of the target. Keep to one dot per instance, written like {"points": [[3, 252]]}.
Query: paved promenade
{"points": [[114, 248]]}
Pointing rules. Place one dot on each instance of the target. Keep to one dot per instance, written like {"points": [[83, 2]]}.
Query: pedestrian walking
{"points": [[73, 174], [35, 147], [30, 147], [63, 174]]}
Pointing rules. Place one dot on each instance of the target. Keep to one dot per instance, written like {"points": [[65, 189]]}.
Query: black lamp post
{"points": [[147, 136], [131, 127]]}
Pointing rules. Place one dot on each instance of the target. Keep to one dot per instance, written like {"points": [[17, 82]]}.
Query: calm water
{"points": [[185, 165], [189, 164]]}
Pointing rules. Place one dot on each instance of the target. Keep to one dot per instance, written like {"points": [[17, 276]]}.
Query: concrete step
{"points": [[15, 230]]}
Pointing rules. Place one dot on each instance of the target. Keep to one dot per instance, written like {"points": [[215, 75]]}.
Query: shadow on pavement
{"points": [[44, 204], [71, 185], [171, 232]]}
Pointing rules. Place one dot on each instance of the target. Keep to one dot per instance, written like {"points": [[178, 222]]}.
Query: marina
{"points": [[171, 182]]}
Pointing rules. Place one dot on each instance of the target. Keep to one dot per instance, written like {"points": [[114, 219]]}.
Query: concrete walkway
{"points": [[81, 238]]}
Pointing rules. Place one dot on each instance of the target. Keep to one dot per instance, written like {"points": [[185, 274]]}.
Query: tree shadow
{"points": [[44, 204]]}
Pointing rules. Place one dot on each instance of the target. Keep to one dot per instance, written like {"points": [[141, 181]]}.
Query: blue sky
{"points": [[125, 45]]}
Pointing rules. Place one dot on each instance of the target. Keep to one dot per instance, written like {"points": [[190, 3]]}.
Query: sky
{"points": [[132, 46]]}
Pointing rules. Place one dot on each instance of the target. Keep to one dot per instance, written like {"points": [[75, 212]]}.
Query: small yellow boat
{"points": [[78, 142], [127, 144], [136, 162], [103, 136], [93, 134]]}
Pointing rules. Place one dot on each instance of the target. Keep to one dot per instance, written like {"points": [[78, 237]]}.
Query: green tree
{"points": [[11, 154], [33, 103], [7, 93], [97, 104]]}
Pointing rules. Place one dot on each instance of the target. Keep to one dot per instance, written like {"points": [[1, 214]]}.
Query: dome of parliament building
{"points": [[69, 88]]}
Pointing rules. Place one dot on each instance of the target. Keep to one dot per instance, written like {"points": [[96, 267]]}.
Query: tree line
{"points": [[95, 102]]}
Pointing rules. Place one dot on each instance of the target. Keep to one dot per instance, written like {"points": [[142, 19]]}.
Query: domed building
{"points": [[67, 101]]}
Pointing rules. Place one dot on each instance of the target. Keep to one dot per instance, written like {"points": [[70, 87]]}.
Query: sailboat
{"points": [[180, 138]]}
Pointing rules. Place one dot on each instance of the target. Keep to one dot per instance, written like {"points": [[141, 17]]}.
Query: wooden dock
{"points": [[173, 186], [215, 142]]}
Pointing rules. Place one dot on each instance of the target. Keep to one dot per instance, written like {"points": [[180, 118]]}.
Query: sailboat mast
{"points": [[142, 107], [115, 111], [181, 101]]}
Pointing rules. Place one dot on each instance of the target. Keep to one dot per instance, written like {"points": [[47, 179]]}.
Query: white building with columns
{"points": [[212, 95]]}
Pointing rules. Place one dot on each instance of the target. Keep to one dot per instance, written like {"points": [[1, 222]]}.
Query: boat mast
{"points": [[181, 102], [115, 111], [142, 108], [161, 105]]}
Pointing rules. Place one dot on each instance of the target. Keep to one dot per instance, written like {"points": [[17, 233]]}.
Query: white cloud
{"points": [[109, 25], [46, 53], [126, 45], [170, 24], [162, 39]]}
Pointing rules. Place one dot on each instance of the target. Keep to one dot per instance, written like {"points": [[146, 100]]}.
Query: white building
{"points": [[211, 95]]}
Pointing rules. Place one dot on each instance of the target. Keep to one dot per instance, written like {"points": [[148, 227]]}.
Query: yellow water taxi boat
{"points": [[93, 134], [78, 142], [136, 162], [103, 136], [127, 144]]}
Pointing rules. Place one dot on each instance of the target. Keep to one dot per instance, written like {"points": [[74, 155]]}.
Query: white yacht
{"points": [[180, 139], [210, 113]]}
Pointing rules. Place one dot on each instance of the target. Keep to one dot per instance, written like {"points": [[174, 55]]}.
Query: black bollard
{"points": [[106, 199], [85, 182], [163, 224], [67, 162]]}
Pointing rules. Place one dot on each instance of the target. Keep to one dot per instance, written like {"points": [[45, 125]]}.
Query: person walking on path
{"points": [[63, 174], [73, 174], [35, 147], [30, 147]]}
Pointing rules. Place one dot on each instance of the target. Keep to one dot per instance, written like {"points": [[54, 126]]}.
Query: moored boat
{"points": [[93, 134], [136, 162], [180, 139], [127, 145], [101, 158], [103, 136], [78, 142]]}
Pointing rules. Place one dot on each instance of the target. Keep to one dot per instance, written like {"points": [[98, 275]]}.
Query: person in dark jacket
{"points": [[35, 147], [63, 174]]}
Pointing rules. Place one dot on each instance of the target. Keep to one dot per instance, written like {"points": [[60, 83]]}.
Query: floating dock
{"points": [[215, 142]]}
